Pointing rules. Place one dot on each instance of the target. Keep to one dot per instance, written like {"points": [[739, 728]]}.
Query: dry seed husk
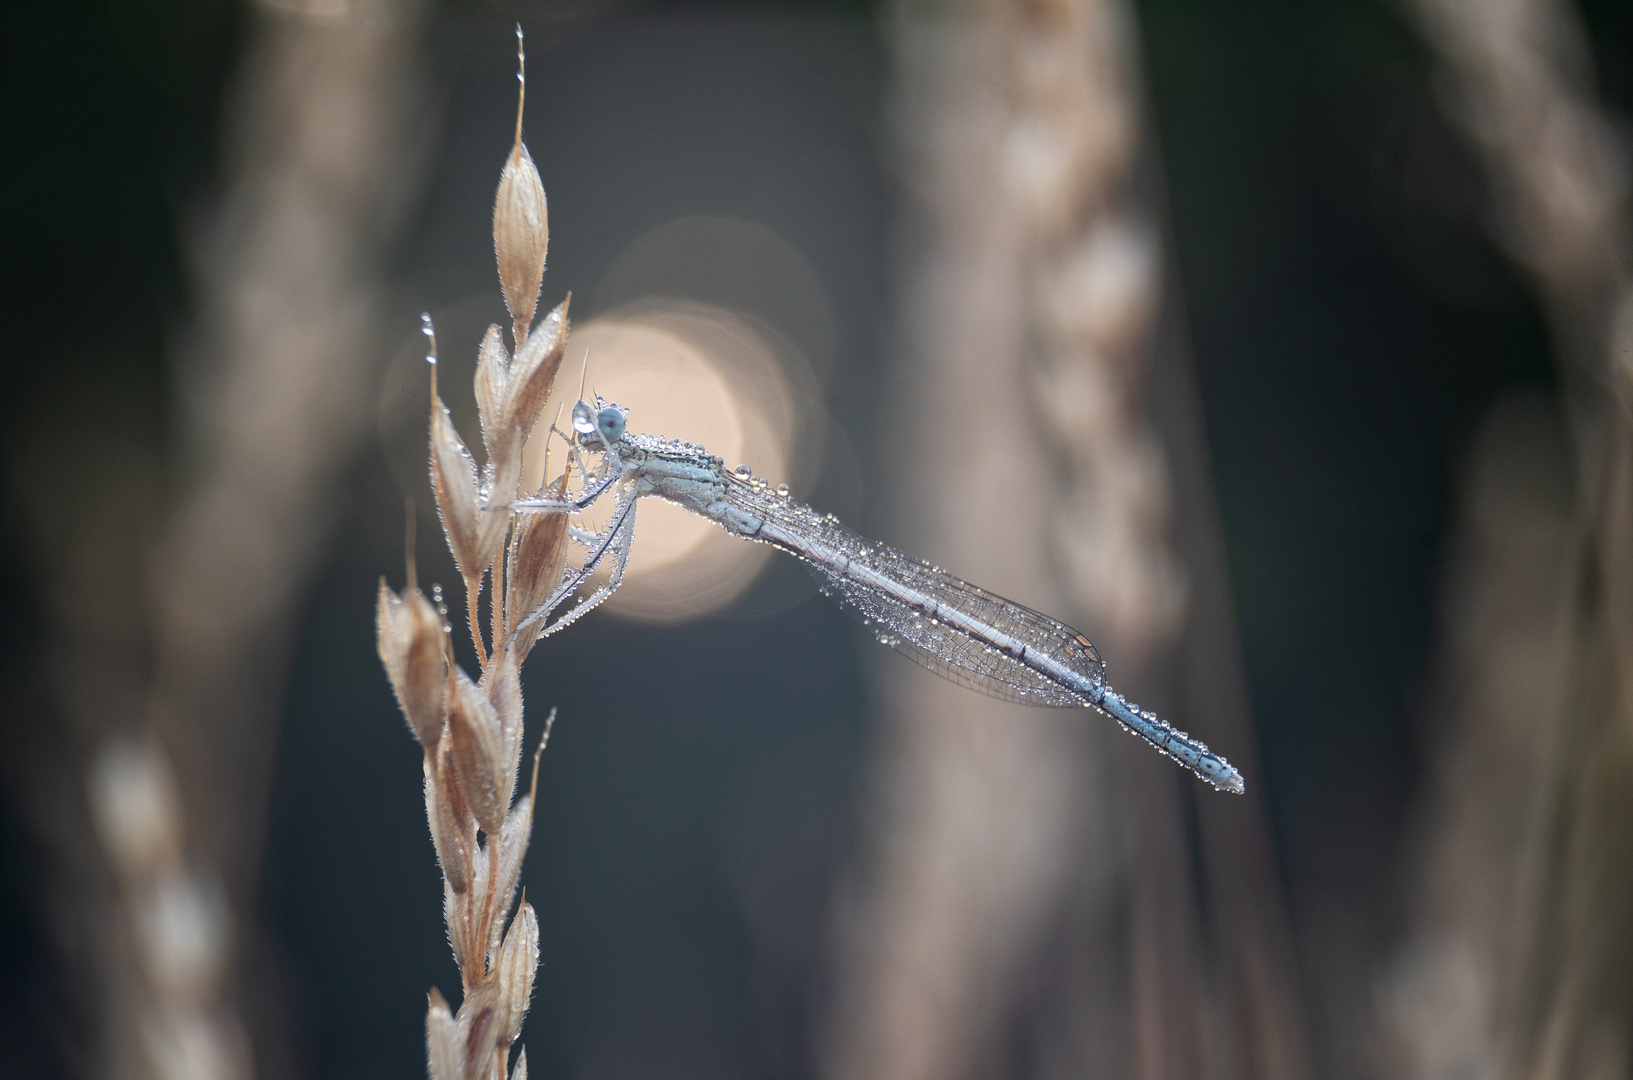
{"points": [[409, 635], [474, 534], [453, 832], [521, 235], [518, 961], [512, 391], [492, 382], [538, 553], [480, 1019], [444, 1049], [455, 909], [513, 840], [465, 922], [503, 686], [533, 369], [501, 477], [462, 913], [476, 748]]}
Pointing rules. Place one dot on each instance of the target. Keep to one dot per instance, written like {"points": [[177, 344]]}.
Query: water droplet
{"points": [[782, 489], [431, 336], [743, 470]]}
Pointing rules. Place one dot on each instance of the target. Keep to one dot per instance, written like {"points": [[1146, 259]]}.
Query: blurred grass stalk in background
{"points": [[1520, 958], [173, 702], [1029, 907], [1502, 672]]}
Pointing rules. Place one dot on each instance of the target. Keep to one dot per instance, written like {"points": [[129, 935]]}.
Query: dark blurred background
{"points": [[1351, 319]]}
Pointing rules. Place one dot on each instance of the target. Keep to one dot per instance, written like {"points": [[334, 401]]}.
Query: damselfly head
{"points": [[602, 422]]}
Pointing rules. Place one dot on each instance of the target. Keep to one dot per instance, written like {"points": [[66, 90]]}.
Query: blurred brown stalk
{"points": [[1028, 908], [170, 628], [1527, 952]]}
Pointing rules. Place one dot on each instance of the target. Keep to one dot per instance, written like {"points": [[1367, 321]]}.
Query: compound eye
{"points": [[610, 423]]}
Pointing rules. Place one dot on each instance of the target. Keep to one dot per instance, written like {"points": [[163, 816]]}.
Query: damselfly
{"points": [[955, 629]]}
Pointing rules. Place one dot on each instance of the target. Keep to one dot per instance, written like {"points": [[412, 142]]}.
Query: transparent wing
{"points": [[933, 643], [950, 653]]}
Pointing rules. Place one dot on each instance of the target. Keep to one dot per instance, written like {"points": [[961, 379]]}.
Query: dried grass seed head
{"points": [[521, 235], [479, 1018], [409, 635], [444, 1047], [521, 220], [511, 392], [453, 829], [492, 375], [533, 369], [455, 908], [476, 751], [513, 841], [473, 731], [464, 916], [474, 532], [518, 961], [538, 554], [502, 684]]}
